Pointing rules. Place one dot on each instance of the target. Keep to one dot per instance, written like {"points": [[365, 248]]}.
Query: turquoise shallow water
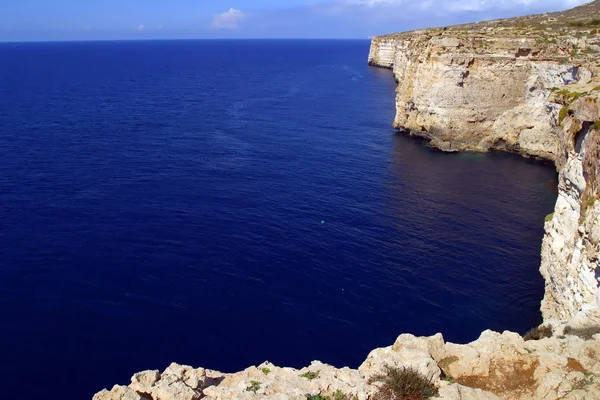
{"points": [[162, 201]]}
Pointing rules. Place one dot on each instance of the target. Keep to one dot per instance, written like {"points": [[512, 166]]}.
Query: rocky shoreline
{"points": [[496, 366], [527, 85]]}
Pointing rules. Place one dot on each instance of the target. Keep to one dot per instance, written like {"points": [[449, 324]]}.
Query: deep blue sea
{"points": [[223, 203]]}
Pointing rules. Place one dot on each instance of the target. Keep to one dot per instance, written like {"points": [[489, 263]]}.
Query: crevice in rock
{"points": [[580, 136], [144, 395]]}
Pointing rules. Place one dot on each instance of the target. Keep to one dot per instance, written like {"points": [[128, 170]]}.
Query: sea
{"points": [[220, 203]]}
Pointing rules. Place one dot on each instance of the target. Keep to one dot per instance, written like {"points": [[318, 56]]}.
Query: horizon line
{"points": [[169, 39]]}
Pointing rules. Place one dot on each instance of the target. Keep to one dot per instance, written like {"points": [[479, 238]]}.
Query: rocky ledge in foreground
{"points": [[496, 366]]}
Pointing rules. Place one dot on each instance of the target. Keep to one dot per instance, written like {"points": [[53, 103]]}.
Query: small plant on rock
{"points": [[265, 371], [562, 114], [538, 333], [317, 397], [404, 384], [591, 201], [254, 386], [549, 217], [339, 395], [311, 375], [583, 383]]}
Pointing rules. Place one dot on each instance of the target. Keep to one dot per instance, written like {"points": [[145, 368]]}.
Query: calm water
{"points": [[163, 201]]}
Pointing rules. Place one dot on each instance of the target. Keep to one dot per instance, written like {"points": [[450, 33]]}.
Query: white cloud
{"points": [[228, 20], [141, 27]]}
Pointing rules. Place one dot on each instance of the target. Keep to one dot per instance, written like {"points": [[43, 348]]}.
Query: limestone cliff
{"points": [[527, 85], [570, 263], [482, 89]]}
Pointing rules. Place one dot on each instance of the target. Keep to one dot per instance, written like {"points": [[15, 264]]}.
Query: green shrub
{"points": [[581, 24], [337, 395], [549, 217], [591, 201], [574, 52], [538, 333], [575, 95], [265, 371], [562, 114], [404, 384], [596, 125], [584, 333], [254, 386], [311, 375], [317, 397]]}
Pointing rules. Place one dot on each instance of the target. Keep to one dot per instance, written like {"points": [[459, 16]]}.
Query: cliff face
{"points": [[529, 86], [479, 90], [570, 263]]}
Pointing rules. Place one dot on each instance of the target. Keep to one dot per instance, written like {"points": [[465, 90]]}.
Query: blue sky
{"points": [[22, 20]]}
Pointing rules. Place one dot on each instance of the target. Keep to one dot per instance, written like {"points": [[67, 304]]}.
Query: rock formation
{"points": [[526, 85], [570, 263], [486, 86], [496, 366]]}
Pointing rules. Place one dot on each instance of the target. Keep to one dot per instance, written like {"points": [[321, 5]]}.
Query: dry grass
{"points": [[540, 332], [404, 384]]}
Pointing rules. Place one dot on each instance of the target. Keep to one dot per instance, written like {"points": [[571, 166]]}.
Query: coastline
{"points": [[538, 105]]}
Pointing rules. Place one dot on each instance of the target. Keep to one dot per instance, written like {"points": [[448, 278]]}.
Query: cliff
{"points": [[485, 86], [570, 263], [526, 85]]}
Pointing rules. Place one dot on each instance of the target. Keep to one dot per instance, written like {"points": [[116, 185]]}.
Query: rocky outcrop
{"points": [[480, 90], [496, 366], [570, 263], [523, 85]]}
